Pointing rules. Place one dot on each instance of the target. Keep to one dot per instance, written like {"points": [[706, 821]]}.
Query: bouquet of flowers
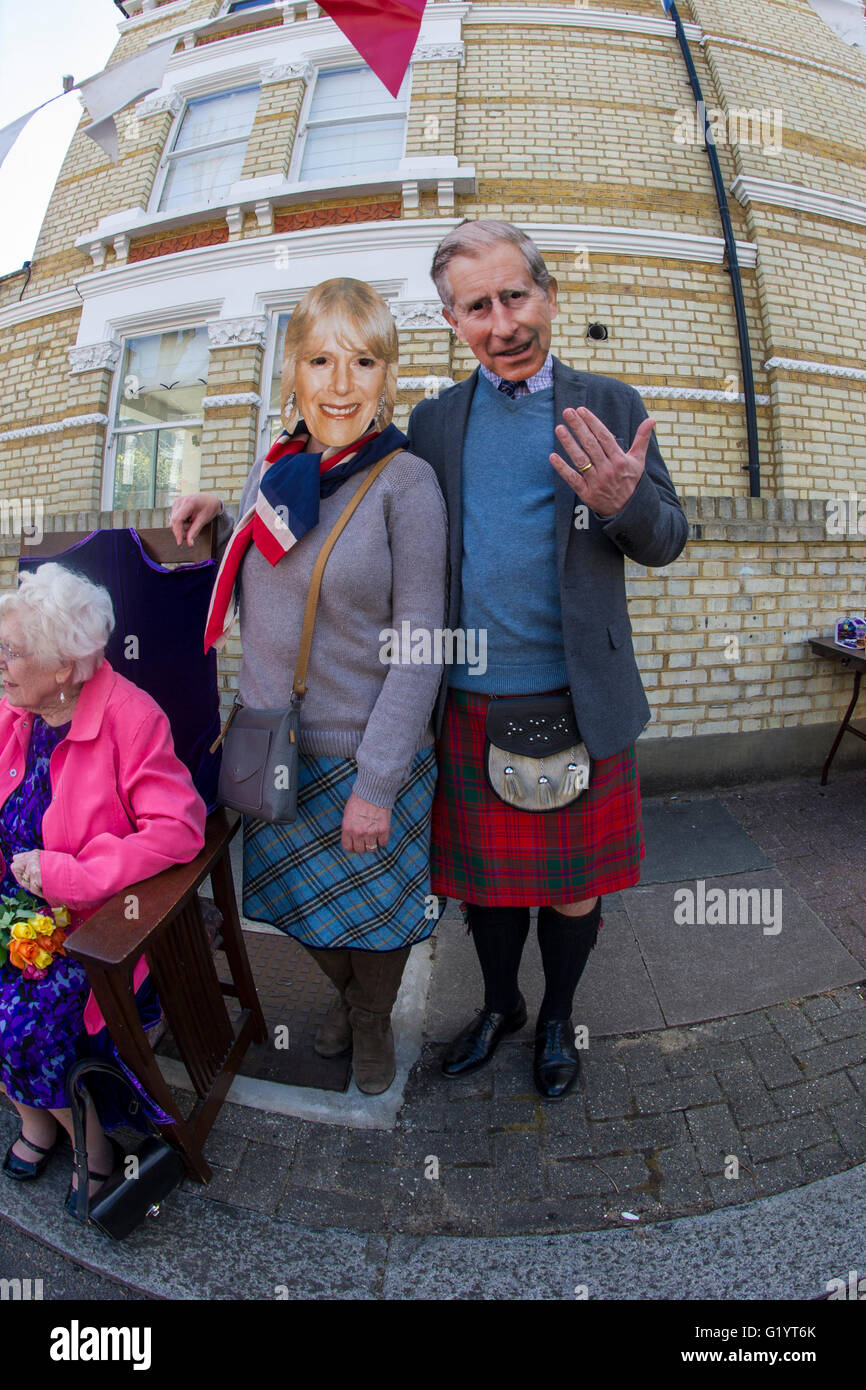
{"points": [[31, 934]]}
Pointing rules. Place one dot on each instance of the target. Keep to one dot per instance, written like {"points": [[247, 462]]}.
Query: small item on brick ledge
{"points": [[851, 632]]}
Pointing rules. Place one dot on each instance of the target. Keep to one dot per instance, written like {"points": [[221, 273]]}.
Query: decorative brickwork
{"points": [[167, 245], [201, 40], [287, 221]]}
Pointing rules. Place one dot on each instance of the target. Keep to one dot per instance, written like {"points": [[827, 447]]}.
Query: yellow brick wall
{"points": [[578, 125], [229, 437], [269, 148], [721, 636], [432, 127]]}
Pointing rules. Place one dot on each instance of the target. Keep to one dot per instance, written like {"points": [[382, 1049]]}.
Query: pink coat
{"points": [[123, 806]]}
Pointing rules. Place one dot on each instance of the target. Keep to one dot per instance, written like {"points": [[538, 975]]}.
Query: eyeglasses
{"points": [[7, 654]]}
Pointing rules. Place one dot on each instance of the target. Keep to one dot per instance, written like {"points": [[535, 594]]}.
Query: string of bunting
{"points": [[383, 32]]}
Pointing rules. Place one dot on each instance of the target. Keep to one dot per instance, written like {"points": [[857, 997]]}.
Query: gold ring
{"points": [[371, 846], [586, 469]]}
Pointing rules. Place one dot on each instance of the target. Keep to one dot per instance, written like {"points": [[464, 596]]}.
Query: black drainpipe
{"points": [[733, 264]]}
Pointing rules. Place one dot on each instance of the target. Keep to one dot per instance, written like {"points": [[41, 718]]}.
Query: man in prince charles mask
{"points": [[551, 477]]}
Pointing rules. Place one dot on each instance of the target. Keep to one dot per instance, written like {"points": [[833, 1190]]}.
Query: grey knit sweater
{"points": [[387, 567]]}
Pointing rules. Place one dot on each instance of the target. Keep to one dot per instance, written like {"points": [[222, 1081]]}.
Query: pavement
{"points": [[717, 1149]]}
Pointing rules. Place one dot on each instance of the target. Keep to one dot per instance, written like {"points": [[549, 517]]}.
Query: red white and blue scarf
{"points": [[291, 484]]}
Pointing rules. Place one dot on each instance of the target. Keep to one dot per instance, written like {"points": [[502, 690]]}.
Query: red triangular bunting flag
{"points": [[384, 32]]}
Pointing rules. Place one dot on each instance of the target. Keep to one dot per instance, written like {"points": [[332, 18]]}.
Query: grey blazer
{"points": [[609, 699]]}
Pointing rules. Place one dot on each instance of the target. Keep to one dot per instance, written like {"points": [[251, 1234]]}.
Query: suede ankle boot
{"points": [[334, 1035], [370, 994]]}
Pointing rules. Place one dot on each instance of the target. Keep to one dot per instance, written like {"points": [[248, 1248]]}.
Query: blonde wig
{"points": [[359, 316]]}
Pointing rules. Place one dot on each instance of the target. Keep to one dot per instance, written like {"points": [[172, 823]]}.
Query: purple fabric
{"points": [[41, 1021], [42, 1032], [21, 815]]}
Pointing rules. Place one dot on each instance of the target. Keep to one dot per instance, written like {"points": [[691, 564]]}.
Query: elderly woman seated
{"points": [[92, 798]]}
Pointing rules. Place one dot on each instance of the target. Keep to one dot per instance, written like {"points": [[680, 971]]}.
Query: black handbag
{"points": [[122, 1203], [534, 758], [259, 768]]}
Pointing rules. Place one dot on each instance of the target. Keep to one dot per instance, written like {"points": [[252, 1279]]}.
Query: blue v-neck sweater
{"points": [[510, 588]]}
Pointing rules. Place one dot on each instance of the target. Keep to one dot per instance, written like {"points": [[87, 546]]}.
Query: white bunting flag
{"points": [[9, 134], [117, 86]]}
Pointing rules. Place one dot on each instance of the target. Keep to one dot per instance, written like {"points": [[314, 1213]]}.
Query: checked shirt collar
{"points": [[539, 382]]}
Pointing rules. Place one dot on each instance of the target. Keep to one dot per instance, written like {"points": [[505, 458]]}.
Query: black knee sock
{"points": [[499, 934], [565, 944]]}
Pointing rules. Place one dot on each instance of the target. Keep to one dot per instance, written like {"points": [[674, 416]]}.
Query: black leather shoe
{"points": [[20, 1169], [477, 1043], [556, 1067]]}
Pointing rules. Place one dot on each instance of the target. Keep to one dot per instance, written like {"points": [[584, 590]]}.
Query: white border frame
{"points": [[327, 67], [141, 326], [168, 152]]}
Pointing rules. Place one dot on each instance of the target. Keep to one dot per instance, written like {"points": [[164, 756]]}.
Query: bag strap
{"points": [[299, 684], [77, 1104], [79, 1142]]}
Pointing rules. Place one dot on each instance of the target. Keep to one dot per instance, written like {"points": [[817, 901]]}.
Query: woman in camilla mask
{"points": [[349, 878]]}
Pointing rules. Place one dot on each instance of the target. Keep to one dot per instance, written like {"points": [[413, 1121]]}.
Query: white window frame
{"points": [[326, 70], [269, 361], [113, 432], [169, 153]]}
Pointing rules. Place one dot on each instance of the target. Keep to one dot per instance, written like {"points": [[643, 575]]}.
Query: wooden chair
{"points": [[170, 931]]}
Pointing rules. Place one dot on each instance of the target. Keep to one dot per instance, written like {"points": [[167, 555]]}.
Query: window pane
{"points": [[282, 325], [164, 377], [247, 5], [178, 465], [199, 180], [337, 151], [357, 91], [133, 476], [229, 115]]}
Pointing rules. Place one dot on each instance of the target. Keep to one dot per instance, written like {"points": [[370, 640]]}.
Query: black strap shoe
{"points": [[556, 1067], [19, 1168], [477, 1043]]}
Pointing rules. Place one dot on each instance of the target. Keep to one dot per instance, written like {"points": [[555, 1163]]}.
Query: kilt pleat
{"points": [[299, 878], [491, 854]]}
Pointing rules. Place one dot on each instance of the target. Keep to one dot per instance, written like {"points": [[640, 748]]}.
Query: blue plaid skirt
{"points": [[300, 879]]}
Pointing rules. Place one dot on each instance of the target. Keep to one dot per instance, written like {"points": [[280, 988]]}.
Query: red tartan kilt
{"points": [[488, 853]]}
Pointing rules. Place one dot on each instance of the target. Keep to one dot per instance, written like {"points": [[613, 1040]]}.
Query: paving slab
{"points": [[694, 838], [614, 996], [788, 1246], [785, 1247], [351, 1107], [704, 971], [659, 1106], [199, 1248]]}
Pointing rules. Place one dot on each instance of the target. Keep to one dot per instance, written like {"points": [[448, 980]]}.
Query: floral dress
{"points": [[41, 1021]]}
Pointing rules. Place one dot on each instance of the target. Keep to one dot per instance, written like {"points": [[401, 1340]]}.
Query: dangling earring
{"points": [[63, 697], [380, 407], [290, 406]]}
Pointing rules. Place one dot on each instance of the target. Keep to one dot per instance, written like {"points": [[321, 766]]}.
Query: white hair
{"points": [[64, 618]]}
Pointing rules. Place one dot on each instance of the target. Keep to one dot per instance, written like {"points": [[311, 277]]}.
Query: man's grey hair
{"points": [[469, 238]]}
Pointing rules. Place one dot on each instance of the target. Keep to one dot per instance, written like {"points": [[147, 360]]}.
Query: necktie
{"points": [[510, 387]]}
